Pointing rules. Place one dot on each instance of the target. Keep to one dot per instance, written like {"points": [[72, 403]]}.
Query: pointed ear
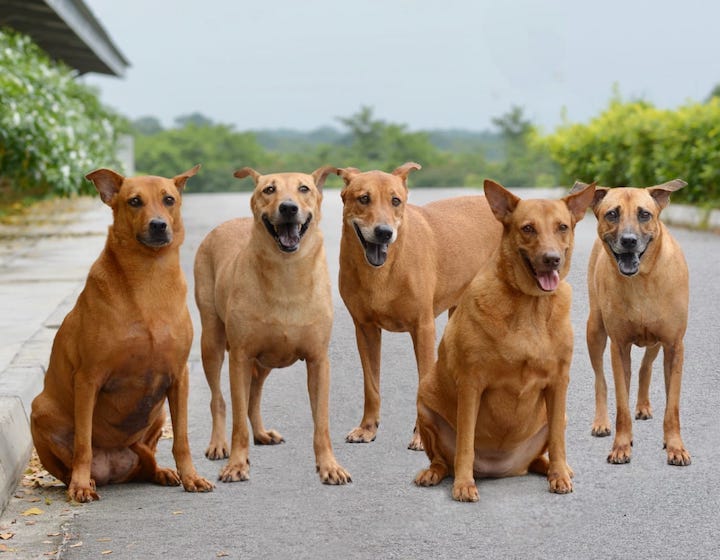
{"points": [[600, 193], [404, 170], [580, 199], [319, 175], [181, 179], [247, 172], [502, 202], [107, 183], [578, 186], [661, 193], [347, 174]]}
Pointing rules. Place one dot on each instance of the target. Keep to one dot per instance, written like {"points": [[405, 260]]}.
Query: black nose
{"points": [[288, 209], [551, 260], [383, 233], [628, 241], [157, 225]]}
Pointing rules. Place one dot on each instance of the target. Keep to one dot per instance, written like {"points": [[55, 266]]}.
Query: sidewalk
{"points": [[44, 258]]}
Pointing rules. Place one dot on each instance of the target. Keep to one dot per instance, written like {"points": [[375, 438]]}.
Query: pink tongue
{"points": [[549, 280]]}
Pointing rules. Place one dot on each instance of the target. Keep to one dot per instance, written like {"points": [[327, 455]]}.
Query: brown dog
{"points": [[638, 288], [495, 402], [263, 291], [401, 266], [123, 350]]}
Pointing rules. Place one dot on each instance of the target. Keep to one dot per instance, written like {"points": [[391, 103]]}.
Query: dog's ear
{"points": [[107, 183], [181, 179], [579, 199], [247, 172], [405, 169], [502, 202], [347, 174], [600, 193], [319, 175], [661, 193]]}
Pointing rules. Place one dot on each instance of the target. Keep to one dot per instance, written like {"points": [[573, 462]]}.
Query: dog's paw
{"points": [[465, 492], [82, 493], [431, 476], [167, 477], [215, 452], [600, 429], [197, 483], [416, 443], [333, 474], [268, 437], [620, 454], [678, 456], [361, 435], [643, 412], [234, 472], [560, 483]]}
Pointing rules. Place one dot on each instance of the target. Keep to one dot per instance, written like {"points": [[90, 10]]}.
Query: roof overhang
{"points": [[68, 31]]}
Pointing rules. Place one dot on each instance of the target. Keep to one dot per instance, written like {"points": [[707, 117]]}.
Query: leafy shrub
{"points": [[53, 130]]}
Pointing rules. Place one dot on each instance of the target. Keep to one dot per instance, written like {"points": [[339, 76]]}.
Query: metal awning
{"points": [[68, 31]]}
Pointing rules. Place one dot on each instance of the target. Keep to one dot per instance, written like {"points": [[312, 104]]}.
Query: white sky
{"points": [[428, 64]]}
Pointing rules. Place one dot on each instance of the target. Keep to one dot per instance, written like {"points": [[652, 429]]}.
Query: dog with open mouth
{"points": [[263, 291], [401, 265], [638, 290]]}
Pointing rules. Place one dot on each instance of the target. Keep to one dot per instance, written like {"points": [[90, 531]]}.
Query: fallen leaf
{"points": [[104, 539], [178, 512], [6, 536], [106, 552], [51, 553], [53, 534], [32, 499], [48, 501], [32, 511], [76, 544], [221, 554]]}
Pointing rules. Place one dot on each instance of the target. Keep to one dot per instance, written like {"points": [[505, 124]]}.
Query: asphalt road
{"points": [[645, 509]]}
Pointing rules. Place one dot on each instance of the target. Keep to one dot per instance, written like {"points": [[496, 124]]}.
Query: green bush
{"points": [[53, 130]]}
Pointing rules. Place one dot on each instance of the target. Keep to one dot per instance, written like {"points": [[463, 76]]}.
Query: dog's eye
{"points": [[396, 201], [612, 215], [304, 188], [135, 202], [644, 215], [168, 200], [528, 228], [269, 189], [364, 199], [563, 227]]}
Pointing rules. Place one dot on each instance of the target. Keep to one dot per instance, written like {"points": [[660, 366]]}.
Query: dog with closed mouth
{"points": [[494, 405], [123, 350], [638, 290], [401, 265], [263, 291]]}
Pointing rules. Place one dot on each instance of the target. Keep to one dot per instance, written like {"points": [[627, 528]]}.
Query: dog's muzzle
{"points": [[288, 231], [157, 234], [545, 270], [628, 250], [376, 246]]}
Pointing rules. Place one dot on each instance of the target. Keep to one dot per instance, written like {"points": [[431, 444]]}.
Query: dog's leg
{"points": [[261, 436], [464, 488], [596, 340], [621, 449], [318, 382], [212, 345], [423, 338], [369, 341], [643, 410], [82, 487], [673, 357], [559, 473], [147, 468], [428, 423], [241, 372], [177, 397]]}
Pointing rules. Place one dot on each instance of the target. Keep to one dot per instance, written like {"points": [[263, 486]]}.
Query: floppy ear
{"points": [[347, 174], [107, 183], [247, 172], [502, 202], [181, 179], [405, 169], [579, 199], [319, 175], [661, 193]]}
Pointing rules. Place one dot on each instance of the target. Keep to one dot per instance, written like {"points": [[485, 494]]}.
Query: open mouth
{"points": [[375, 253], [546, 280], [288, 234], [628, 263]]}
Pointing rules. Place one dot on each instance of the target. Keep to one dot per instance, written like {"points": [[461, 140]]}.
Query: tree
{"points": [[196, 118], [147, 125]]}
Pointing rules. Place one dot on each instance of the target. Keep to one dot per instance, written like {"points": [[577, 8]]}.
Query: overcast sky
{"points": [[427, 64]]}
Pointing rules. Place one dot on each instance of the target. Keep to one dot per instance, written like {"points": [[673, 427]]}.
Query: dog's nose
{"points": [[157, 225], [551, 260], [383, 233], [288, 208], [628, 241]]}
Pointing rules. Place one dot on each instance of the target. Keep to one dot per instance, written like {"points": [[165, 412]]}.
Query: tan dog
{"points": [[401, 266], [638, 288], [123, 350], [263, 291], [495, 402]]}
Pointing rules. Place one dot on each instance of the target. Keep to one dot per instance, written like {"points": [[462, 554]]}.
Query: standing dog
{"points": [[401, 266], [495, 402], [263, 291], [122, 350], [638, 288]]}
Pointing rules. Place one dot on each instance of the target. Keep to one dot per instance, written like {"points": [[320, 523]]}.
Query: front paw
{"points": [[268, 437], [431, 476], [82, 492], [678, 456], [601, 428], [643, 412], [197, 483], [362, 434], [334, 474], [465, 491], [620, 453], [217, 450], [167, 477], [235, 472], [416, 443], [560, 481]]}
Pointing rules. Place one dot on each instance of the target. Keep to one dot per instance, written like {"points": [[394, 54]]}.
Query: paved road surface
{"points": [[645, 509]]}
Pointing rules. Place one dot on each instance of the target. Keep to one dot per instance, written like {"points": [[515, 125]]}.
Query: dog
{"points": [[495, 402], [402, 265], [638, 290], [122, 350], [263, 290]]}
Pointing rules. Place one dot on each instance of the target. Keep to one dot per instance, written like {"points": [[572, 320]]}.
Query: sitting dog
{"points": [[401, 266], [638, 288], [495, 402], [263, 291], [122, 350]]}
